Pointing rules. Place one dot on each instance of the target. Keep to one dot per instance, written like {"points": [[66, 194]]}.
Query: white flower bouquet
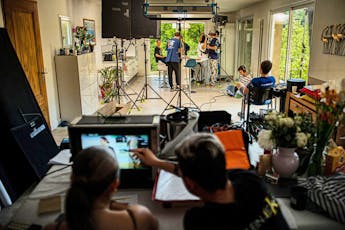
{"points": [[282, 131]]}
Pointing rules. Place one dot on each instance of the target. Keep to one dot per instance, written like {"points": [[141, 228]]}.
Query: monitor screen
{"points": [[120, 134], [120, 146]]}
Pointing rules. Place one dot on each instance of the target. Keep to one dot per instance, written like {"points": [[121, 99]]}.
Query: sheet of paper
{"points": [[62, 158], [171, 188]]}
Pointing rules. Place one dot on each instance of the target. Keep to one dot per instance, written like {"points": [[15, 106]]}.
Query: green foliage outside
{"points": [[299, 47], [190, 36]]}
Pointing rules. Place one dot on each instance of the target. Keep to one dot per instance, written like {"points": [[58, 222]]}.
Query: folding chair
{"points": [[256, 96]]}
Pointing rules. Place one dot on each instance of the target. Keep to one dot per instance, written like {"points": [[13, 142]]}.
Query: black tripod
{"points": [[178, 94], [119, 79], [179, 91], [143, 92]]}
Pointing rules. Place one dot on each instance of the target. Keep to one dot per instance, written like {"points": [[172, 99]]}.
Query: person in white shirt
{"points": [[244, 79], [203, 58]]}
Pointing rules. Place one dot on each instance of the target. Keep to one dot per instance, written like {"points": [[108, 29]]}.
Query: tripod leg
{"points": [[159, 96], [141, 93], [190, 99], [126, 95], [169, 104]]}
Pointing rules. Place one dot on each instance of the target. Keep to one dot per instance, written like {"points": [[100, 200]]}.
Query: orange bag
{"points": [[236, 155]]}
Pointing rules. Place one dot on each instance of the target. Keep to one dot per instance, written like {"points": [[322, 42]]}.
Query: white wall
{"points": [[89, 9], [325, 66], [1, 16], [48, 12]]}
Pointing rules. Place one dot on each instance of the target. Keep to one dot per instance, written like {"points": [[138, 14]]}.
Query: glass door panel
{"points": [[300, 46], [279, 44], [290, 43], [245, 38]]}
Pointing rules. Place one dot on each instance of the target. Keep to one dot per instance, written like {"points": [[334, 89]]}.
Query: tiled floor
{"points": [[158, 98]]}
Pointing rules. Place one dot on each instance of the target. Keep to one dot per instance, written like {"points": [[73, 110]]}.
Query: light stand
{"points": [[228, 77], [179, 92], [143, 92], [120, 79]]}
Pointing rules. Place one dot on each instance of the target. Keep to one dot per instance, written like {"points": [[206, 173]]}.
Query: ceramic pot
{"points": [[285, 161]]}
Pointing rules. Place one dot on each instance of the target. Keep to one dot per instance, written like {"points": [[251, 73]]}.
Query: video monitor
{"points": [[120, 145], [120, 134]]}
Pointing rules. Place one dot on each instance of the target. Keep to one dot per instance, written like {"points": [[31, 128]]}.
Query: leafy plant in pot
{"points": [[108, 83]]}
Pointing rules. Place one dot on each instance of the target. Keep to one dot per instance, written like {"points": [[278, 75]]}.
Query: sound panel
{"points": [[143, 27], [18, 107], [125, 19], [116, 19]]}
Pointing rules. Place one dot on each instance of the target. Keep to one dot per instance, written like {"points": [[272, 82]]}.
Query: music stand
{"points": [[143, 92], [179, 91], [120, 80]]}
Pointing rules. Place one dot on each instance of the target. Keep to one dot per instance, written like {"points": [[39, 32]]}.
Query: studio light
{"points": [[180, 9]]}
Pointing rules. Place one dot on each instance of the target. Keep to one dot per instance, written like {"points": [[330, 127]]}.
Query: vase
{"points": [[315, 163], [285, 161]]}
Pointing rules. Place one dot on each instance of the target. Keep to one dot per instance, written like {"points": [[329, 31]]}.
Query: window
{"points": [[191, 32], [290, 42]]}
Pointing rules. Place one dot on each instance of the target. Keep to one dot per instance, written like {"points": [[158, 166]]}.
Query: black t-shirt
{"points": [[158, 51], [252, 205]]}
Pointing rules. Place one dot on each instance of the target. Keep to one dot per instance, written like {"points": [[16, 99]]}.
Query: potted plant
{"points": [[285, 134], [108, 83]]}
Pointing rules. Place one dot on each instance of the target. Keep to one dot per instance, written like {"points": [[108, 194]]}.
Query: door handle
{"points": [[43, 73]]}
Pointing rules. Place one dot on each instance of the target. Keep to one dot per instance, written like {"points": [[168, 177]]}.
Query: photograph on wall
{"points": [[89, 24]]}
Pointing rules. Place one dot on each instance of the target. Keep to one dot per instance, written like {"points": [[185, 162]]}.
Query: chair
{"points": [[256, 96], [162, 69]]}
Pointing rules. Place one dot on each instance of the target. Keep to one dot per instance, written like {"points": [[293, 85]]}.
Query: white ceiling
{"points": [[234, 5]]}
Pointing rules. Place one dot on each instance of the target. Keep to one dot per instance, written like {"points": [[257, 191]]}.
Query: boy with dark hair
{"points": [[229, 200], [264, 81]]}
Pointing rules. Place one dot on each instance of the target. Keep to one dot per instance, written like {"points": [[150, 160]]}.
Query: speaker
{"points": [[125, 19]]}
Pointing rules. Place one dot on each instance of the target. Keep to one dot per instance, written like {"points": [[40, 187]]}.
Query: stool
{"points": [[162, 69]]}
